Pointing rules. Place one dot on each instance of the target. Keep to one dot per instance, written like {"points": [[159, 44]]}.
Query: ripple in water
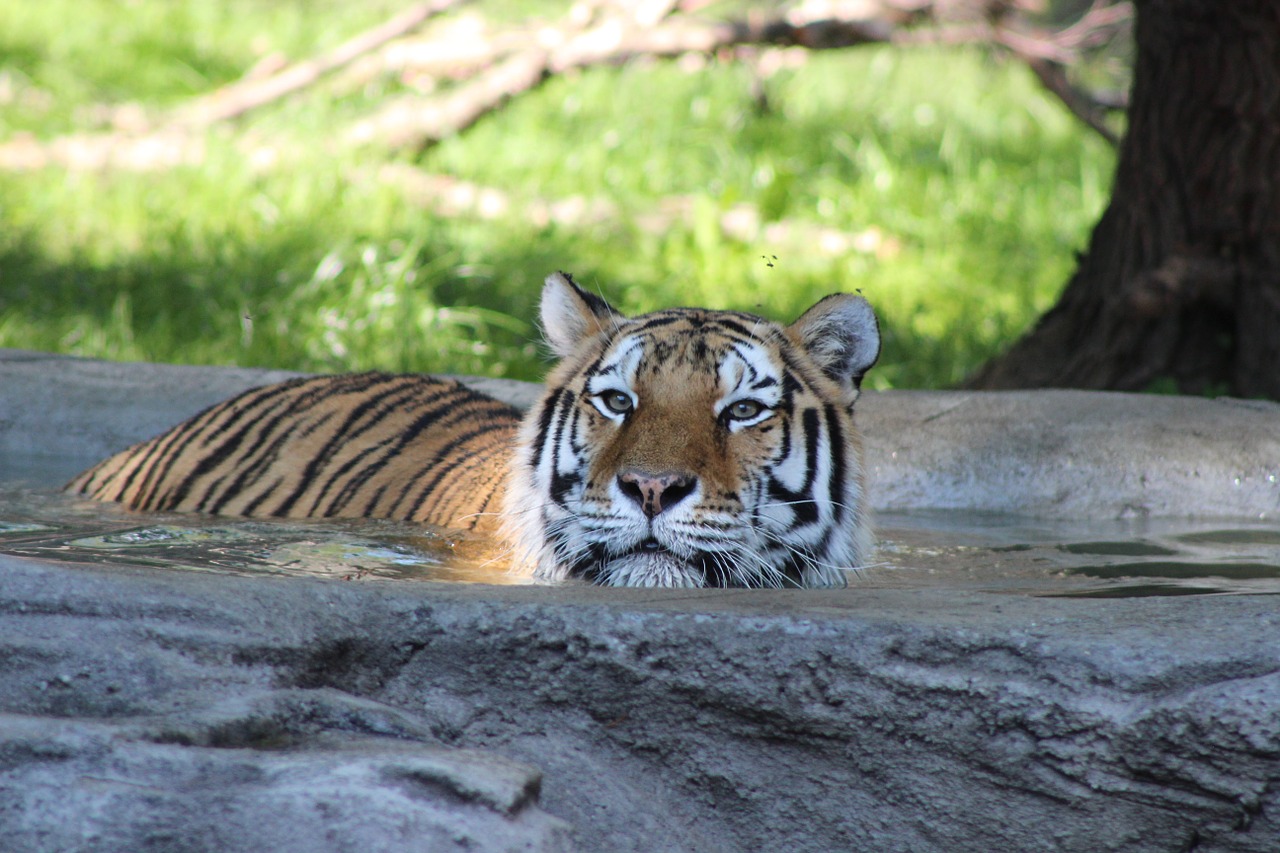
{"points": [[954, 550]]}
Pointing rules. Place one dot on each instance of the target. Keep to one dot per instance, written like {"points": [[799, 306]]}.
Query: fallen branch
{"points": [[251, 93], [412, 123], [176, 141], [450, 197], [1054, 78], [85, 152], [508, 63], [408, 122], [616, 40], [1048, 55]]}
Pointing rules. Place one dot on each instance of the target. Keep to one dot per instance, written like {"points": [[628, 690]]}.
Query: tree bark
{"points": [[1181, 281]]}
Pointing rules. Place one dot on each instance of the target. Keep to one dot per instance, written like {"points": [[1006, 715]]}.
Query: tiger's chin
{"points": [[652, 565], [658, 568]]}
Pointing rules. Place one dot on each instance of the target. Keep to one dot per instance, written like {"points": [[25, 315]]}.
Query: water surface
{"points": [[958, 550]]}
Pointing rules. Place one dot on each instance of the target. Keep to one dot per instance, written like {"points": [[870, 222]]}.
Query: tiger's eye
{"points": [[617, 402], [745, 410]]}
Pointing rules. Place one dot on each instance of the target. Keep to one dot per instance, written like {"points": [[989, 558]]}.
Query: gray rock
{"points": [[1074, 454], [242, 713], [61, 410], [145, 709], [87, 785]]}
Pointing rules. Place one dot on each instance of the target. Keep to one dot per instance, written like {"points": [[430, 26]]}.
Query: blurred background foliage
{"points": [[942, 182]]}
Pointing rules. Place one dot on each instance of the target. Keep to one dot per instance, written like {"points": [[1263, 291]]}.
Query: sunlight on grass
{"points": [[963, 190]]}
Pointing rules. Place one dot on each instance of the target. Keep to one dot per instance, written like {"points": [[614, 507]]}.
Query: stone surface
{"points": [[249, 713], [1074, 454], [143, 709], [248, 786]]}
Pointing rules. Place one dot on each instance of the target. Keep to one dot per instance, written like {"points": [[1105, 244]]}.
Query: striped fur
{"points": [[680, 448], [358, 445], [695, 448]]}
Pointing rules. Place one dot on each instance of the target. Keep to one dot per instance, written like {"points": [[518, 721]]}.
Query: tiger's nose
{"points": [[656, 492]]}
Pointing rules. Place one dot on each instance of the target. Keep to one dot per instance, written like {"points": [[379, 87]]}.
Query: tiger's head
{"points": [[693, 447]]}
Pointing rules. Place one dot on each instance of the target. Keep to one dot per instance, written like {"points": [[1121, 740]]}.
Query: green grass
{"points": [[980, 188]]}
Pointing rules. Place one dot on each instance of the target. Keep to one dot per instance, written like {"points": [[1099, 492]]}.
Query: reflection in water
{"points": [[956, 550], [51, 526], [1080, 559]]}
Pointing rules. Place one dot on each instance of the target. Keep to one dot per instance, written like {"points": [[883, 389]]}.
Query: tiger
{"points": [[685, 447]]}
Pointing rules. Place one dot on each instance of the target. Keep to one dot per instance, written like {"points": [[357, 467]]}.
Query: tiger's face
{"points": [[695, 448]]}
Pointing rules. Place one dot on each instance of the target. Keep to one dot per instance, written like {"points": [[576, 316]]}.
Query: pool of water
{"points": [[48, 525], [960, 550], [1077, 559]]}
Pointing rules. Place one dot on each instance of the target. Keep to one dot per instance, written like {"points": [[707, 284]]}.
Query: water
{"points": [[1077, 559], [958, 550], [48, 525]]}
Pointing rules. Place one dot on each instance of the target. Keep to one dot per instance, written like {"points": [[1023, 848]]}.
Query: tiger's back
{"points": [[381, 445]]}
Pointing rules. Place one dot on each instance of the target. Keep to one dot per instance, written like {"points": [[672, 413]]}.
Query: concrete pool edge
{"points": [[662, 720], [881, 719]]}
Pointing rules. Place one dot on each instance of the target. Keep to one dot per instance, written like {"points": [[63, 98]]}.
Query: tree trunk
{"points": [[1181, 282]]}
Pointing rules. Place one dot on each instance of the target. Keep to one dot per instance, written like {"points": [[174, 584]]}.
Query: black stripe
{"points": [[835, 486], [461, 403], [331, 509], [484, 506], [378, 401], [748, 335], [801, 501], [165, 452], [793, 568], [811, 429], [347, 492], [593, 369], [284, 426], [544, 426], [258, 461], [229, 444], [651, 321], [391, 451], [261, 498], [562, 483], [240, 407], [785, 442], [282, 431], [588, 565], [553, 442], [437, 471], [790, 387]]}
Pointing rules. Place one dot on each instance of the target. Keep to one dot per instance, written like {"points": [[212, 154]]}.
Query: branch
{"points": [[496, 67], [1054, 78], [550, 50], [412, 123], [249, 93], [1048, 54], [408, 122], [82, 152], [450, 197]]}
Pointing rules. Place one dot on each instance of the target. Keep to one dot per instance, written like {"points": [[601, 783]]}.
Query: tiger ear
{"points": [[570, 314], [841, 335]]}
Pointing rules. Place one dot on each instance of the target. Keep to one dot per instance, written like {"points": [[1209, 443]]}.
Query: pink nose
{"points": [[656, 492]]}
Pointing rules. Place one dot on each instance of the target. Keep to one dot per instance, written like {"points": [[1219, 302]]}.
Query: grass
{"points": [[974, 189]]}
